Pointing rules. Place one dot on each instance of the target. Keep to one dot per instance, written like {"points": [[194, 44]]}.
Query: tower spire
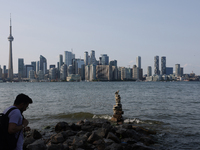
{"points": [[10, 62]]}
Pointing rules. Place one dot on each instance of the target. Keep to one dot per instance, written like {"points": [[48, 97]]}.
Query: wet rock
{"points": [[28, 141], [102, 132], [80, 122], [75, 127], [58, 138], [87, 128], [141, 146], [129, 141], [147, 141], [62, 126], [79, 143], [37, 145], [93, 137], [114, 146], [36, 134], [108, 141], [113, 137], [55, 147], [143, 130]]}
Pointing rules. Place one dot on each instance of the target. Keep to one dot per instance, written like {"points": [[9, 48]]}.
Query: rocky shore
{"points": [[98, 134]]}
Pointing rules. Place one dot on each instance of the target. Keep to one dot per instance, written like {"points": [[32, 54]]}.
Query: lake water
{"points": [[170, 108]]}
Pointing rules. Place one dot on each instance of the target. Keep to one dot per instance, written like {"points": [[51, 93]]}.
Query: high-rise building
{"points": [[28, 69], [104, 72], [86, 58], [87, 72], [10, 63], [163, 65], [68, 56], [169, 70], [92, 72], [135, 72], [52, 66], [92, 57], [20, 68], [138, 62], [104, 59], [52, 73], [181, 71], [0, 73], [113, 63], [33, 63], [156, 65], [43, 64], [63, 72], [177, 70], [149, 71], [37, 66], [60, 61]]}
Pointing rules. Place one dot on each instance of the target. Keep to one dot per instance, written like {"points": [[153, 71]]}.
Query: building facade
{"points": [[163, 65], [156, 65]]}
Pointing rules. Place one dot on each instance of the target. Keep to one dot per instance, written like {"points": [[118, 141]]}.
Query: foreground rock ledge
{"points": [[97, 134]]}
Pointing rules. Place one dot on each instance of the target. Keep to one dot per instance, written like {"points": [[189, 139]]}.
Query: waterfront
{"points": [[170, 108]]}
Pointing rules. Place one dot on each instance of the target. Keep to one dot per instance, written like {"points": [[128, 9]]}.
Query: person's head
{"points": [[22, 101]]}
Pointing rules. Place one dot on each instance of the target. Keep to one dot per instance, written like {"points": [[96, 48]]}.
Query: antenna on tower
{"points": [[10, 19]]}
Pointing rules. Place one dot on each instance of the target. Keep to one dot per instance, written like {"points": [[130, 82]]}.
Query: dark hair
{"points": [[22, 98]]}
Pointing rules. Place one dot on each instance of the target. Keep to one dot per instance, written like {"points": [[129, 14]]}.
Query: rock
{"points": [[108, 141], [28, 141], [62, 126], [129, 141], [114, 146], [87, 128], [56, 147], [80, 122], [93, 137], [102, 132], [75, 127], [68, 133], [58, 138], [37, 145], [78, 143], [36, 134], [113, 137], [143, 130], [140, 146], [147, 141]]}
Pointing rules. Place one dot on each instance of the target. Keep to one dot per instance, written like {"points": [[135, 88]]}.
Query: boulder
{"points": [[36, 134], [114, 146], [58, 138], [62, 126], [37, 145], [93, 137], [113, 137], [79, 143], [55, 147], [102, 132], [27, 141]]}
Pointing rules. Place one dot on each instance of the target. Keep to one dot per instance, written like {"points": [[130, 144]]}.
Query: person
{"points": [[17, 122]]}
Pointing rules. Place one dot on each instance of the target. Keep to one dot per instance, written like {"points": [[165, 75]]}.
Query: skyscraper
{"points": [[20, 67], [149, 71], [33, 63], [163, 65], [43, 64], [105, 59], [60, 61], [156, 65], [10, 63], [92, 58], [68, 56], [138, 62], [86, 58], [177, 70]]}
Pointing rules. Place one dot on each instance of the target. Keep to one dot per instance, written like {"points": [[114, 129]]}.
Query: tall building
{"points": [[63, 72], [92, 58], [104, 72], [28, 69], [113, 63], [86, 58], [149, 71], [163, 65], [37, 66], [177, 70], [10, 63], [138, 62], [0, 73], [135, 72], [43, 64], [104, 59], [20, 67], [60, 61], [68, 56], [33, 63], [169, 70], [156, 65]]}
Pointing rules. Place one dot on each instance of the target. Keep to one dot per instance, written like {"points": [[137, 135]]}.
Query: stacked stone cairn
{"points": [[117, 109]]}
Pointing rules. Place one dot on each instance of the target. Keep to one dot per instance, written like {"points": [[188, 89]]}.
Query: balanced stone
{"points": [[117, 109]]}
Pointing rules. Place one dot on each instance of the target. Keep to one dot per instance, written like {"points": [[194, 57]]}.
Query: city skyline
{"points": [[123, 31]]}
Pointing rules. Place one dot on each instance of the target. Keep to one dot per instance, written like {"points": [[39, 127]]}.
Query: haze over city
{"points": [[122, 30]]}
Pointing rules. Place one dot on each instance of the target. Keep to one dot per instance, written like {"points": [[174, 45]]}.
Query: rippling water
{"points": [[170, 108]]}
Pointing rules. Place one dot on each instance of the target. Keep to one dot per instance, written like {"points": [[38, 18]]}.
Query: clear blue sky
{"points": [[121, 29]]}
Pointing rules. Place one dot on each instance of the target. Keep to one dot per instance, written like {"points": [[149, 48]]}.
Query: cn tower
{"points": [[10, 63]]}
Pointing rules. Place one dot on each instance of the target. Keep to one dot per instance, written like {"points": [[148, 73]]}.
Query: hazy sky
{"points": [[121, 29]]}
